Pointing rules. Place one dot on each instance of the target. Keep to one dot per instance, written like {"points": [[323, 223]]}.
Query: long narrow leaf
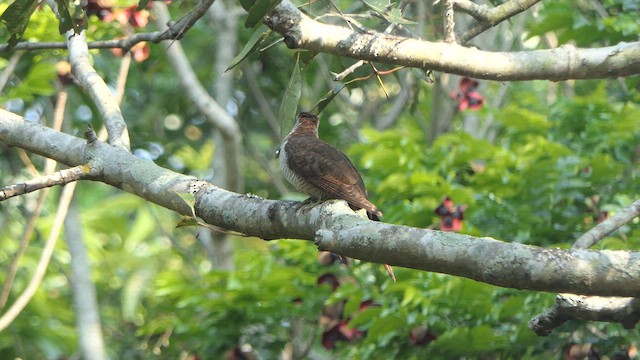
{"points": [[250, 47], [258, 11], [289, 104], [327, 98], [16, 17]]}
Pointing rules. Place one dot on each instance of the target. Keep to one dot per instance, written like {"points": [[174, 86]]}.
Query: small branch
{"points": [[608, 226], [95, 86], [487, 18], [348, 71], [478, 12], [449, 23], [624, 310], [121, 83], [61, 177], [175, 31], [8, 70], [22, 301]]}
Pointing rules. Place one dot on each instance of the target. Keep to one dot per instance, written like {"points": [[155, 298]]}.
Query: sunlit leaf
{"points": [[16, 18]]}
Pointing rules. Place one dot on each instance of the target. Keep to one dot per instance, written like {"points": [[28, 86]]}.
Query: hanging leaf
{"points": [[66, 21], [327, 98], [307, 56], [289, 104], [424, 75], [16, 18], [258, 11], [190, 200], [252, 45]]}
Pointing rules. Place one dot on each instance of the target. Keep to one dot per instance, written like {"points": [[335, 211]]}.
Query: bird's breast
{"points": [[294, 177]]}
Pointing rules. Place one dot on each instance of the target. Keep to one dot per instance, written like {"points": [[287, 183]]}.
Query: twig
{"points": [[8, 70], [61, 177], [175, 31], [348, 71], [121, 82], [487, 18], [608, 226], [95, 86], [449, 23]]}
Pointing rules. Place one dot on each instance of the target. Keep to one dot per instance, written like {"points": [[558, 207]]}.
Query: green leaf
{"points": [[190, 199], [391, 15], [16, 18], [258, 11], [385, 326], [142, 4], [289, 104], [327, 98], [250, 47], [66, 21], [477, 339], [247, 4]]}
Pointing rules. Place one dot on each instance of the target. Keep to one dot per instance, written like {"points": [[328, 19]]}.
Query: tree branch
{"points": [[566, 62], [608, 226], [334, 227], [625, 311], [175, 31]]}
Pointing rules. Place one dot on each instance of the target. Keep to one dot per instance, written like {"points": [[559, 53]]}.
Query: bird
{"points": [[318, 169]]}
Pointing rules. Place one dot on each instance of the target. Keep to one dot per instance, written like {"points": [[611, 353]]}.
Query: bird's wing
{"points": [[328, 169]]}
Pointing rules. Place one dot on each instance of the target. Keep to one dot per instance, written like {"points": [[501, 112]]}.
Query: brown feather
{"points": [[324, 167]]}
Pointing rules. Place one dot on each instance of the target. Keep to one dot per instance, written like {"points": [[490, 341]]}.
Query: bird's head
{"points": [[306, 124]]}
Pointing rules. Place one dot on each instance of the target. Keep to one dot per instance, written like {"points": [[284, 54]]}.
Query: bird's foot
{"points": [[309, 203]]}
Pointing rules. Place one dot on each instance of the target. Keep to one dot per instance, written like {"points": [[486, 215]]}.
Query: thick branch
{"points": [[566, 62], [336, 228]]}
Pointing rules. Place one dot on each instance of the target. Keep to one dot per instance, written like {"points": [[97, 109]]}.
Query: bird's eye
{"points": [[277, 153]]}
